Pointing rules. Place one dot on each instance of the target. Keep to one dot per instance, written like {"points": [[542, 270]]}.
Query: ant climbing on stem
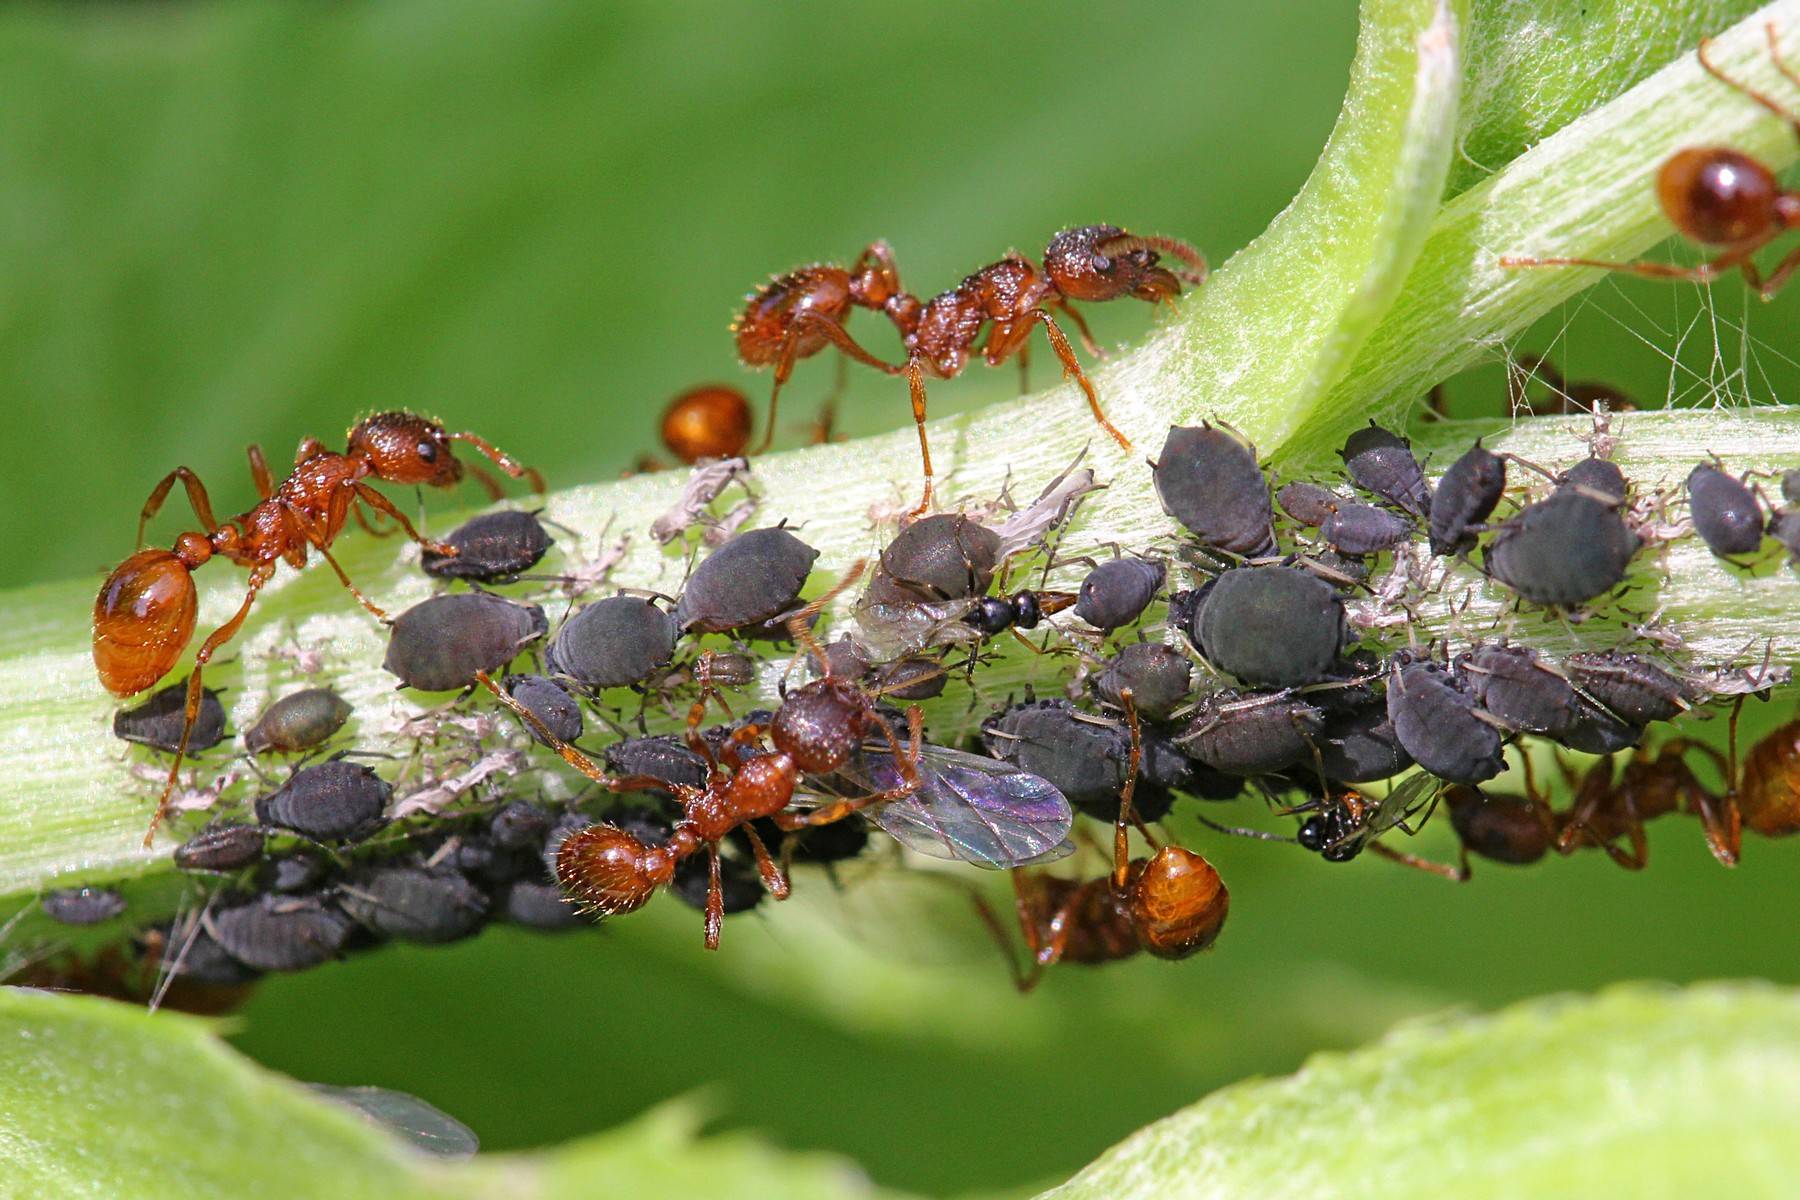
{"points": [[145, 613]]}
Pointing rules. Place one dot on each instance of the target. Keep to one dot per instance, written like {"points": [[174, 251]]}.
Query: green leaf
{"points": [[1638, 1092]]}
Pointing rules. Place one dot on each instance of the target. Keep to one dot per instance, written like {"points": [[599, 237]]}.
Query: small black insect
{"points": [[1209, 481], [1251, 734], [279, 933], [298, 721], [492, 548], [740, 886], [1086, 758], [1518, 689], [336, 801], [1272, 626], [225, 847], [1564, 550], [1629, 685], [441, 644], [1359, 529], [1382, 462], [1465, 497], [1439, 724], [614, 642], [1159, 678], [1726, 514], [1499, 828], [1308, 503], [550, 703], [994, 615], [82, 905], [941, 557], [157, 722], [1117, 592], [413, 904], [752, 578]]}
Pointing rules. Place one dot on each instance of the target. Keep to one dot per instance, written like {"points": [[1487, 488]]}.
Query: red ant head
{"points": [[402, 447], [1178, 903], [144, 615], [820, 725], [769, 313], [610, 871], [1718, 196], [1103, 262]]}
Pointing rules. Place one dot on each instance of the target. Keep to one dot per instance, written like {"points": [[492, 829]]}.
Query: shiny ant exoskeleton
{"points": [[145, 614], [1718, 197], [796, 315]]}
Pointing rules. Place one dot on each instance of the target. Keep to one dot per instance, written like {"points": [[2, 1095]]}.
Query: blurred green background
{"points": [[223, 223]]}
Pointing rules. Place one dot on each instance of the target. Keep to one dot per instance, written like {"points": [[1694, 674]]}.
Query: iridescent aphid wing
{"points": [[971, 809], [891, 630]]}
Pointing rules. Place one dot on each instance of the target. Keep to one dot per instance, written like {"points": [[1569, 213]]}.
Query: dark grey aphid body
{"points": [[740, 887], [942, 557], [1308, 503], [1159, 677], [228, 847], [1790, 487], [1564, 551], [912, 678], [280, 933], [537, 905], [295, 871], [1629, 685], [1598, 478], [82, 905], [414, 904], [1358, 529], [660, 757], [1382, 462], [1116, 593], [298, 721], [440, 644], [491, 548], [1516, 688], [519, 825], [483, 860], [157, 721], [1436, 722], [550, 703], [1726, 514], [1086, 760], [191, 953], [337, 801], [1209, 481], [752, 578], [845, 659], [1246, 734], [1357, 744], [1465, 497], [614, 642], [1784, 527], [1596, 730], [1271, 626]]}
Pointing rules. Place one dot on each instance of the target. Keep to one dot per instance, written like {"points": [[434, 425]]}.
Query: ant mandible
{"points": [[144, 616], [796, 315], [815, 731], [1171, 905], [1718, 197]]}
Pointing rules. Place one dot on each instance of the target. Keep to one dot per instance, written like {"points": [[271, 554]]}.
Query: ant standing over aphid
{"points": [[1718, 197], [144, 616], [796, 315]]}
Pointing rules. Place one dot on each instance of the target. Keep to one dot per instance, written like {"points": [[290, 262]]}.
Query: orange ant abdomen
{"points": [[1769, 797], [1178, 903], [1718, 196], [712, 421], [768, 322], [611, 871], [143, 620]]}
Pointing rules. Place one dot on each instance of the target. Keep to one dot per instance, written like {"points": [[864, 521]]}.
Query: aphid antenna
{"points": [[167, 971]]}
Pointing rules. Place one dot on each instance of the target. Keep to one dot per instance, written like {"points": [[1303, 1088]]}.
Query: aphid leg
{"points": [[1774, 106], [191, 713], [504, 461], [196, 493], [1441, 870], [1122, 827], [915, 382], [259, 471], [715, 897], [774, 878], [383, 505]]}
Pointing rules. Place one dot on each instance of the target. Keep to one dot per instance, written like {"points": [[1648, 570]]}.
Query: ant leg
{"points": [[773, 877], [697, 714], [1778, 278], [1059, 341], [369, 527], [308, 447], [826, 422], [574, 757], [1441, 870], [1023, 979], [715, 897], [502, 460], [384, 506], [488, 483], [1024, 370], [298, 519], [915, 382], [1122, 826], [196, 493], [191, 713], [797, 624], [833, 332], [1081, 328], [1774, 106], [905, 761], [1735, 259], [259, 471]]}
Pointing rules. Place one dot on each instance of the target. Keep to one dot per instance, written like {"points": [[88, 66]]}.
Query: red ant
{"points": [[1171, 905], [1652, 784], [796, 315], [144, 616], [711, 421], [815, 731], [1718, 197], [1769, 792]]}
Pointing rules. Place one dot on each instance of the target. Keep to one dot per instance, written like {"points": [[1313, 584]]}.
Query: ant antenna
{"points": [[1126, 243]]}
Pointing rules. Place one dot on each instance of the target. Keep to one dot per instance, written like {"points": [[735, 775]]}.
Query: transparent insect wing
{"points": [[428, 1128], [1419, 792], [891, 630], [970, 809]]}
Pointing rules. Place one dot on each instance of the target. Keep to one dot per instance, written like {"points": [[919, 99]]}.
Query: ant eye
{"points": [[1102, 263], [427, 452]]}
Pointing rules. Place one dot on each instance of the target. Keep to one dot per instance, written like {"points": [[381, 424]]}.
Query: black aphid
{"points": [[614, 642], [440, 644], [157, 721], [941, 557], [336, 801], [1563, 551], [483, 860], [1085, 758], [1465, 497], [1250, 734], [1629, 685], [295, 871], [280, 933], [1597, 730], [1117, 592], [912, 678], [1270, 626], [82, 905], [740, 887], [227, 847], [491, 548], [1518, 689], [752, 578], [550, 703], [836, 842], [1597, 478], [298, 721], [1209, 481], [1158, 676], [1784, 527], [1358, 529], [846, 659], [413, 904], [1438, 724], [660, 757], [1726, 514], [191, 953], [537, 905], [1308, 503], [519, 825], [1382, 462], [1357, 743]]}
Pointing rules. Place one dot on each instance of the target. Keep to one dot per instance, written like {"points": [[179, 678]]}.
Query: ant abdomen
{"points": [[1178, 903], [767, 322], [143, 619], [1717, 196], [610, 871]]}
